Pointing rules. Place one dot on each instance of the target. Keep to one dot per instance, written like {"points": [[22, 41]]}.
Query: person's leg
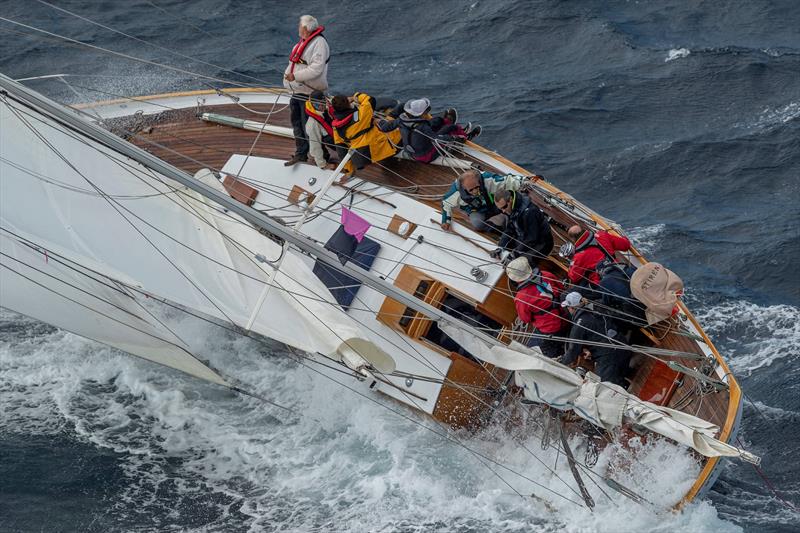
{"points": [[552, 348], [612, 367], [297, 111]]}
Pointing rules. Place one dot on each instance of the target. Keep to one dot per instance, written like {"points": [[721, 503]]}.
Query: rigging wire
{"points": [[168, 50], [614, 343]]}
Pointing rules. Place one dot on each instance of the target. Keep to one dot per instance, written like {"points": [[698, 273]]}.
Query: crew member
{"points": [[615, 293], [319, 129], [538, 302], [353, 129], [419, 130], [527, 232], [307, 72], [473, 192], [588, 329], [590, 249]]}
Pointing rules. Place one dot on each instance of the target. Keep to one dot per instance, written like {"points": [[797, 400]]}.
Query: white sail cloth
{"points": [[604, 404], [94, 204], [88, 303]]}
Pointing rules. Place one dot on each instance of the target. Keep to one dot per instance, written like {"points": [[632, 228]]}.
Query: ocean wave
{"points": [[646, 239], [754, 336], [677, 53], [346, 463]]}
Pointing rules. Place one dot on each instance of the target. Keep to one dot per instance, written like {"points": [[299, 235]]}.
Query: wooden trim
{"points": [[240, 191], [298, 194], [396, 222]]}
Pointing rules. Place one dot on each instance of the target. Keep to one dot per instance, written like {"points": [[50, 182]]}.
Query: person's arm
{"points": [[620, 244], [449, 201], [388, 125], [318, 57], [575, 273], [574, 348]]}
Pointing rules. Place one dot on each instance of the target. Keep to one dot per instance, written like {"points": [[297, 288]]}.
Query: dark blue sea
{"points": [[678, 119]]}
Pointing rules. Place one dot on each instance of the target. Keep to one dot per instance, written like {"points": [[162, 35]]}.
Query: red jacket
{"points": [[586, 258], [538, 308]]}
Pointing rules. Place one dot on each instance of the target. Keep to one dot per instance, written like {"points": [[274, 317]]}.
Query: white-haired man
{"points": [[307, 72]]}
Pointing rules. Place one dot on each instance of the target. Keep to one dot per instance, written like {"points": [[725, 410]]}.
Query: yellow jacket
{"points": [[361, 131]]}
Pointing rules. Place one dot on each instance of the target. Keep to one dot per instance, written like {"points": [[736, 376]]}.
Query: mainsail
{"points": [[72, 196]]}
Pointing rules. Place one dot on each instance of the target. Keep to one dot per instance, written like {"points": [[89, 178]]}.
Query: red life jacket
{"points": [[297, 52], [313, 113]]}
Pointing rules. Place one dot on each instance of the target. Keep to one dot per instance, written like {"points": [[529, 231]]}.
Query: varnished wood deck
{"points": [[189, 143]]}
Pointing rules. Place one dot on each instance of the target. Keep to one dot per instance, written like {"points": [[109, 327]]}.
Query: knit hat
{"points": [[519, 269], [418, 107], [573, 299]]}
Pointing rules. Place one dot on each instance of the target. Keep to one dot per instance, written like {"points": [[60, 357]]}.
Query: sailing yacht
{"points": [[114, 209]]}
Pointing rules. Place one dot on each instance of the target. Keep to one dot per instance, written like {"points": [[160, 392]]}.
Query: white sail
{"points": [[62, 188], [546, 381], [88, 303]]}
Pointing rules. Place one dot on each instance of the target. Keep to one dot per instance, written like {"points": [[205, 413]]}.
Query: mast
{"points": [[72, 120]]}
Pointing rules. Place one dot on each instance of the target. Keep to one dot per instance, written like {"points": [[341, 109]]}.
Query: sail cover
{"points": [[603, 404], [67, 191]]}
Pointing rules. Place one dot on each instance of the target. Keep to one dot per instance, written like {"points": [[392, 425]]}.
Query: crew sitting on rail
{"points": [[591, 248], [319, 130], [473, 192], [538, 302], [420, 131], [592, 336], [615, 294], [527, 232], [353, 129]]}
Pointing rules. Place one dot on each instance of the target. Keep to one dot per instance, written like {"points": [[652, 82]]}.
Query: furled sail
{"points": [[606, 405], [65, 190]]}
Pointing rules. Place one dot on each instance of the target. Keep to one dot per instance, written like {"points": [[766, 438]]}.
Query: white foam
{"points": [[754, 336], [346, 464], [676, 53], [646, 238]]}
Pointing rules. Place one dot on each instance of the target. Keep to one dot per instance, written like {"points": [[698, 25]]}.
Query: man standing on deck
{"points": [[307, 72]]}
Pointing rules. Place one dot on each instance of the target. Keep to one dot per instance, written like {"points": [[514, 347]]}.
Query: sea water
{"points": [[676, 119]]}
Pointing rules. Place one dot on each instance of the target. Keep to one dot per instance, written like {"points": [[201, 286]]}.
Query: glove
{"points": [[506, 260], [495, 254]]}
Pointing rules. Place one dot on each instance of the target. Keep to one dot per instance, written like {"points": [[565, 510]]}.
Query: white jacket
{"points": [[313, 76]]}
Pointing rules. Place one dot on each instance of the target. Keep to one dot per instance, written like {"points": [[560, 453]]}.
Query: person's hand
{"points": [[331, 166], [495, 254], [586, 354], [289, 76], [446, 226], [506, 260]]}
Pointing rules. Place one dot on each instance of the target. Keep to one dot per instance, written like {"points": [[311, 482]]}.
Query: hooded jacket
{"points": [[591, 249], [353, 128], [528, 231], [538, 302]]}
